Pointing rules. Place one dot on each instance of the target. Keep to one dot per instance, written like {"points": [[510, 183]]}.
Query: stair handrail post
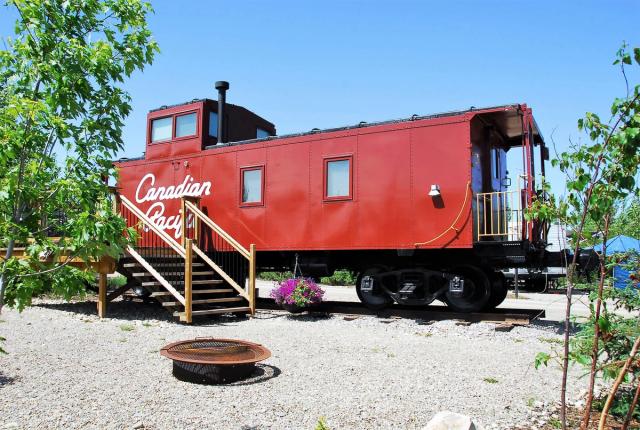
{"points": [[196, 219], [252, 278], [188, 277], [183, 220]]}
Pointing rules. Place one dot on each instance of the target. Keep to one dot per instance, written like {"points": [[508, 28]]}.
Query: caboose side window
{"points": [[161, 129], [186, 125], [252, 186], [213, 124], [338, 178]]}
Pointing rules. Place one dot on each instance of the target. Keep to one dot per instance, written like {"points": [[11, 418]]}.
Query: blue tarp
{"points": [[619, 245]]}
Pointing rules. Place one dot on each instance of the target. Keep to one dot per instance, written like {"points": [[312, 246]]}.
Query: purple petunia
{"points": [[297, 291]]}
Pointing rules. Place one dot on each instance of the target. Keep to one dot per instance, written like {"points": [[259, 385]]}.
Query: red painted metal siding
{"points": [[393, 167]]}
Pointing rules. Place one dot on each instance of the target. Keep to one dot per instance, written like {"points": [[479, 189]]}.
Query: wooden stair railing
{"points": [[154, 243], [219, 250], [201, 238]]}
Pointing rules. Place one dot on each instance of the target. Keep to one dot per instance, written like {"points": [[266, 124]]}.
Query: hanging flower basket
{"points": [[297, 294]]}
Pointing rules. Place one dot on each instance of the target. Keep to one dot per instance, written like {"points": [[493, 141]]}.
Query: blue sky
{"points": [[304, 64]]}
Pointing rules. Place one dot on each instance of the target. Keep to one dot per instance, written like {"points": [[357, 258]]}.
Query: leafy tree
{"points": [[627, 222], [62, 108], [601, 175]]}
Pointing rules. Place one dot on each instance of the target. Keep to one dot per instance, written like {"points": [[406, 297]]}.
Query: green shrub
{"points": [[275, 276], [340, 277], [116, 281]]}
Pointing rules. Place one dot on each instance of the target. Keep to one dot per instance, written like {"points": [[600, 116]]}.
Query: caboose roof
{"points": [[505, 117]]}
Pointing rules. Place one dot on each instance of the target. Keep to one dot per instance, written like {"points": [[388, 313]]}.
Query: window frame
{"points": [[150, 132], [173, 117], [325, 179], [175, 123], [260, 167]]}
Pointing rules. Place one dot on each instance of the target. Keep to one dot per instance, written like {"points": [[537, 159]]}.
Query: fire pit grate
{"points": [[214, 361]]}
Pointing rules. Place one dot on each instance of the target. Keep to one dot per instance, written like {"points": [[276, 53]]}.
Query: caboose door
{"points": [[499, 180], [187, 172]]}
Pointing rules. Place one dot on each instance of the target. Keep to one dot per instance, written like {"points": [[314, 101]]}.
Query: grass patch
{"points": [[531, 401], [321, 424], [424, 334], [122, 340], [517, 340], [551, 340], [490, 380], [147, 324], [555, 423], [127, 327]]}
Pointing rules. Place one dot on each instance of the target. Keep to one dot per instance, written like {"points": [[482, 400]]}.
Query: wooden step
{"points": [[131, 265], [213, 291], [203, 301], [194, 282], [147, 274], [214, 311]]}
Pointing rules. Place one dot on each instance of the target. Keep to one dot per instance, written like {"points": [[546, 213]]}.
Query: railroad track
{"points": [[429, 313]]}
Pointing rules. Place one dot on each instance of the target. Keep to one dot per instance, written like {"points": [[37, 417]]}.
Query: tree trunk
{"points": [[596, 332], [616, 384], [565, 356], [3, 275], [629, 417]]}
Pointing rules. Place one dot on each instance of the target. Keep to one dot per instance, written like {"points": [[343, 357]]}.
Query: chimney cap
{"points": [[222, 85]]}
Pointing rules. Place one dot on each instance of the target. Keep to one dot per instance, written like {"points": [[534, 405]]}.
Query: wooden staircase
{"points": [[204, 274]]}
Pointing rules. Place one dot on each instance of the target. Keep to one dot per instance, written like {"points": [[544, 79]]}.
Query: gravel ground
{"points": [[66, 368]]}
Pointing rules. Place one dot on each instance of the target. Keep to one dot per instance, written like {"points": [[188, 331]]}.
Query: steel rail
{"points": [[428, 313]]}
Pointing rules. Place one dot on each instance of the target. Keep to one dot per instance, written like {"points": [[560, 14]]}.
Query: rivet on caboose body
{"points": [[421, 208]]}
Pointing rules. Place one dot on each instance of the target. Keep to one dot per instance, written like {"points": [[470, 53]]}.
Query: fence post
{"points": [[252, 278], [187, 280]]}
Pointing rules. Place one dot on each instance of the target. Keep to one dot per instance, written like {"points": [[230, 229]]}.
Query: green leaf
{"points": [[542, 358]]}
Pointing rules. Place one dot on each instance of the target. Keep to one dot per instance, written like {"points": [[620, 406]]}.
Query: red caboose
{"points": [[422, 208]]}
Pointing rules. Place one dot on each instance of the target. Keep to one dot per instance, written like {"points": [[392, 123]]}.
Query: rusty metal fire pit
{"points": [[214, 361]]}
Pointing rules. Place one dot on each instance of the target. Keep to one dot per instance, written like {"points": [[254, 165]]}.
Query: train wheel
{"points": [[498, 290], [476, 293], [372, 296]]}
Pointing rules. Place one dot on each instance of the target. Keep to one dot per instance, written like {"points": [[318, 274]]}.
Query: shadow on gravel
{"points": [[126, 310], [556, 326], [6, 380], [138, 311], [263, 373]]}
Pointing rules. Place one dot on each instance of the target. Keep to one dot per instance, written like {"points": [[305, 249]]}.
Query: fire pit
{"points": [[214, 361]]}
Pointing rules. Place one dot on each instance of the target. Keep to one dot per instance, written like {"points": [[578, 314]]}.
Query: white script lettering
{"points": [[147, 192]]}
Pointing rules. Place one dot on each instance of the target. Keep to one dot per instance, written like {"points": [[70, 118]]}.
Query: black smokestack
{"points": [[222, 87]]}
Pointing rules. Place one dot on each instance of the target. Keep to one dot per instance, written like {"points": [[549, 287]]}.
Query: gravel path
{"points": [[66, 368]]}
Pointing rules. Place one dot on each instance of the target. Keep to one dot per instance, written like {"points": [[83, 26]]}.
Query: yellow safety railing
{"points": [[499, 215]]}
